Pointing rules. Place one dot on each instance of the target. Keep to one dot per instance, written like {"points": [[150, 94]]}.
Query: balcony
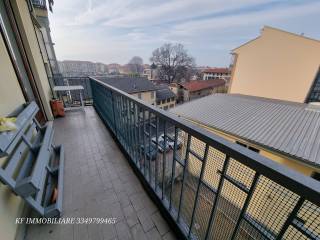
{"points": [[122, 153], [40, 4]]}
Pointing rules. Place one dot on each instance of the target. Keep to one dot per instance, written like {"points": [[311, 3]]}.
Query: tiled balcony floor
{"points": [[99, 183]]}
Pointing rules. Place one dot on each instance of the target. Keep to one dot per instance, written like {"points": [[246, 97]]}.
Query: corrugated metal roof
{"points": [[287, 127]]}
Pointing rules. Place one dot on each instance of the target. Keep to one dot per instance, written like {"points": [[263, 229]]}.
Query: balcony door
{"points": [[10, 34]]}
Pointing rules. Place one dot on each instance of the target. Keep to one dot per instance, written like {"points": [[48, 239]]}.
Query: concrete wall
{"points": [[10, 98], [277, 65]]}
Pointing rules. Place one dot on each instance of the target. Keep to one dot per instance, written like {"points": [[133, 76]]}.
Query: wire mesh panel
{"points": [[211, 188]]}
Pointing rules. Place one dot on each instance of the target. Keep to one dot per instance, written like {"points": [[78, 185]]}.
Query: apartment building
{"points": [[165, 98], [136, 86], [279, 65], [216, 73], [69, 67], [189, 91], [26, 73]]}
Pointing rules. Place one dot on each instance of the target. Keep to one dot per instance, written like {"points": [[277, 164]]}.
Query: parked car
{"points": [[151, 153], [170, 141]]}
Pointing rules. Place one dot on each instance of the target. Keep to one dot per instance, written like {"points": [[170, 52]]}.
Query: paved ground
{"points": [[100, 183]]}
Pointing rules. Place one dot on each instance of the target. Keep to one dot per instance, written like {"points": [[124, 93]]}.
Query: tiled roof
{"points": [[217, 70], [129, 84], [286, 127], [202, 84], [165, 93]]}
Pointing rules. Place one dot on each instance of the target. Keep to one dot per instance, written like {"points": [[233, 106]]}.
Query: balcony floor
{"points": [[99, 182]]}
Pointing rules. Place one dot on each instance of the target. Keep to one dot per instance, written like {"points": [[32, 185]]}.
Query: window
{"points": [[314, 95], [152, 95], [139, 95], [163, 101], [165, 107], [168, 100], [249, 147], [171, 105], [316, 176], [158, 102]]}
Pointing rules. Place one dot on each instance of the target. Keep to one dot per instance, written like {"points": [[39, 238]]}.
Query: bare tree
{"points": [[135, 65], [173, 61]]}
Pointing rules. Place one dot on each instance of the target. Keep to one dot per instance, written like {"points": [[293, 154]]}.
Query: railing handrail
{"points": [[305, 186]]}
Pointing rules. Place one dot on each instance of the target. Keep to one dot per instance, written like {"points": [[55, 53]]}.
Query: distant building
{"points": [[196, 89], [150, 72], [113, 68], [272, 128], [165, 98], [73, 68], [214, 73], [278, 65], [139, 87]]}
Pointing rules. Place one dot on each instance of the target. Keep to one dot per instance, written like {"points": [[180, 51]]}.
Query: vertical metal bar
{"points": [[289, 220], [114, 115], [173, 170], [184, 174], [128, 113], [246, 204], [204, 163], [139, 136], [136, 142], [144, 143], [156, 161], [124, 117], [150, 154], [164, 156], [216, 199]]}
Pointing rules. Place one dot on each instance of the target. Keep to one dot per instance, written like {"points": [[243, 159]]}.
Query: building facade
{"points": [[136, 86], [277, 64], [197, 89], [216, 73], [165, 98], [24, 67]]}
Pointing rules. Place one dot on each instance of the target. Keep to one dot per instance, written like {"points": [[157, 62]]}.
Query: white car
{"points": [[170, 141]]}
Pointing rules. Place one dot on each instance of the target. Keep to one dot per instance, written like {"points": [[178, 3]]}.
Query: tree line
{"points": [[172, 62]]}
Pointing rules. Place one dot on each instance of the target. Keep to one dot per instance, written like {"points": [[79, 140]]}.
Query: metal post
{"points": [[184, 174], [114, 115], [156, 161], [289, 220], [216, 199], [246, 204], [198, 187], [144, 143], [173, 164], [150, 154], [164, 157]]}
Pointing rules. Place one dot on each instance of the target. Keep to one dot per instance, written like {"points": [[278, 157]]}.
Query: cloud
{"points": [[245, 19], [176, 10], [114, 31]]}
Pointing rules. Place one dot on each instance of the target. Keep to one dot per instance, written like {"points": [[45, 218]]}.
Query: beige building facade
{"points": [[277, 64]]}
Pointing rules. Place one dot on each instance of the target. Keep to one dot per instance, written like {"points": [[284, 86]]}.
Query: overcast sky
{"points": [[115, 30]]}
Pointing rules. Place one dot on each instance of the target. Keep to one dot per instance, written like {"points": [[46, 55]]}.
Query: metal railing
{"points": [[75, 96], [209, 187]]}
